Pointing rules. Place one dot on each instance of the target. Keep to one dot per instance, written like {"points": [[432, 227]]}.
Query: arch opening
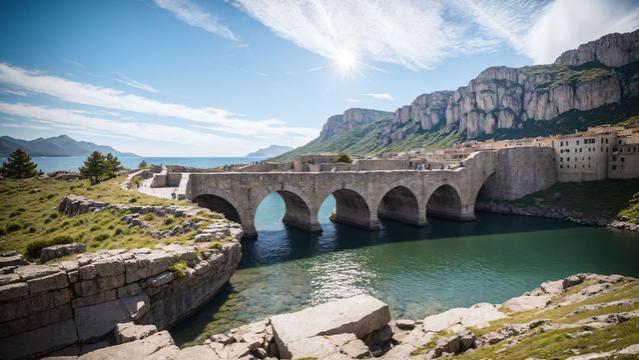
{"points": [[298, 213], [445, 202], [400, 204], [351, 209], [220, 205]]}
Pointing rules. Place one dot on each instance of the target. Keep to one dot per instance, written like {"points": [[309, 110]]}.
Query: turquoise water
{"points": [[417, 271], [72, 163]]}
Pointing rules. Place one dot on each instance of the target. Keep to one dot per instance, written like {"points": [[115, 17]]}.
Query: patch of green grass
{"points": [[179, 268], [34, 249], [606, 198], [35, 215]]}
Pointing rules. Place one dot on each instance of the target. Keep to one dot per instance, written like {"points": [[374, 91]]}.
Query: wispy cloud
{"points": [[108, 98], [135, 84], [420, 34], [380, 96], [192, 14], [352, 100]]}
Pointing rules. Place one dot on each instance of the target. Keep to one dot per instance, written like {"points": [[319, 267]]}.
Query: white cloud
{"points": [[565, 24], [135, 84], [380, 96], [146, 131], [86, 94], [352, 100], [192, 14], [420, 34]]}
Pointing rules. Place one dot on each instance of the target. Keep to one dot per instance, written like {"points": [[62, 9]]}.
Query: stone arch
{"points": [[298, 213], [445, 202], [402, 205], [351, 208], [219, 204]]}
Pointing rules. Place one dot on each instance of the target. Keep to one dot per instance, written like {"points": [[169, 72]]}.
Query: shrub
{"points": [[3, 232], [102, 237], [169, 221], [51, 196], [179, 268], [217, 245], [137, 180], [53, 216], [32, 229], [51, 229], [148, 217], [95, 228], [13, 227], [121, 231], [132, 200], [343, 158]]}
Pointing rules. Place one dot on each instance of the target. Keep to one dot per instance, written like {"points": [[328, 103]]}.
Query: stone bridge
{"points": [[362, 197]]}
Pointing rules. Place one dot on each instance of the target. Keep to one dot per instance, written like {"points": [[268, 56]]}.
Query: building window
{"points": [[561, 143], [561, 159], [606, 141], [561, 166], [614, 158], [622, 159], [577, 142], [602, 149], [614, 167]]}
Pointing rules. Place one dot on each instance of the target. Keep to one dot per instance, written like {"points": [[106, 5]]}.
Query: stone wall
{"points": [[521, 171], [80, 301]]}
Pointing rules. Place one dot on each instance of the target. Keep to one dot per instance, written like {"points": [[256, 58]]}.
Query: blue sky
{"points": [[223, 78]]}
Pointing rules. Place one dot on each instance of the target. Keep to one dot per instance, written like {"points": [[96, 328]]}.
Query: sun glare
{"points": [[345, 60]]}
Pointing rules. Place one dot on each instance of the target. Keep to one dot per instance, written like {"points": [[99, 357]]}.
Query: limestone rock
{"points": [[40, 341], [359, 315], [12, 259], [127, 332], [525, 302], [478, 315], [58, 251], [351, 118], [96, 320], [405, 324], [141, 349], [611, 50], [13, 291]]}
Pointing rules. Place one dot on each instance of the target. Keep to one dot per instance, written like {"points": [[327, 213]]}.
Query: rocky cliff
{"points": [[351, 118], [598, 73]]}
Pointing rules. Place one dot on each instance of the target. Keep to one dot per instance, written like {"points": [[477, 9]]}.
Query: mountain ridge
{"points": [[56, 146], [502, 102], [271, 150]]}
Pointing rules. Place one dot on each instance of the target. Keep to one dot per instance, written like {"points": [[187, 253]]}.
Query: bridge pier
{"points": [[369, 223]]}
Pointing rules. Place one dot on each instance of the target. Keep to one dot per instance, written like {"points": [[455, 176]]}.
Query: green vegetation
{"points": [[179, 268], [19, 166], [143, 164], [554, 344], [606, 198], [343, 158], [569, 75], [29, 219], [631, 212], [98, 167]]}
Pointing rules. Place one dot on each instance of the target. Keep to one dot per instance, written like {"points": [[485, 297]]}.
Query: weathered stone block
{"points": [[39, 341], [109, 267], [97, 320], [100, 284], [161, 279], [129, 290], [50, 282], [94, 299], [153, 345], [36, 320], [13, 291], [12, 259], [57, 251], [137, 268], [29, 272], [128, 332], [359, 315], [87, 272], [9, 278]]}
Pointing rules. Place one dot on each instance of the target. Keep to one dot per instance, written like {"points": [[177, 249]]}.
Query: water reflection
{"points": [[417, 271]]}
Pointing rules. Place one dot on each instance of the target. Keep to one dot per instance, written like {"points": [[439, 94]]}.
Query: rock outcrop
{"points": [[611, 50], [505, 98], [351, 118]]}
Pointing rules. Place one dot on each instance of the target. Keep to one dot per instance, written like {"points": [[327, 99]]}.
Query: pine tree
{"points": [[111, 166], [93, 167], [19, 166], [143, 164]]}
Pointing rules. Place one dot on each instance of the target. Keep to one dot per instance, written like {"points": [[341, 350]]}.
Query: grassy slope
{"points": [[555, 344], [607, 198], [30, 205]]}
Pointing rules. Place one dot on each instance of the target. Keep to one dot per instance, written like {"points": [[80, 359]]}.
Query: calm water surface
{"points": [[417, 271]]}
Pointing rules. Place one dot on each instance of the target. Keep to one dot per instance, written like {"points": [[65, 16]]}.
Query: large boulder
{"points": [[359, 315], [478, 315], [149, 347], [527, 302], [57, 251]]}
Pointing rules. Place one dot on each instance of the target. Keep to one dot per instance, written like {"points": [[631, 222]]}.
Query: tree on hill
{"points": [[143, 164], [111, 166], [343, 158], [19, 166], [94, 167]]}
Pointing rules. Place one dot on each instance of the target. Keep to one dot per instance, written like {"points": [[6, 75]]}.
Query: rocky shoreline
{"points": [[361, 327], [75, 305], [553, 213]]}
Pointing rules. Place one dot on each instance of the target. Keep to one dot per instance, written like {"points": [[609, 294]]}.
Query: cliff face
{"points": [[339, 124], [611, 50], [596, 74]]}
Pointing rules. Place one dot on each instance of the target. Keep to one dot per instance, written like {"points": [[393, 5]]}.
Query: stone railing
{"points": [[44, 308]]}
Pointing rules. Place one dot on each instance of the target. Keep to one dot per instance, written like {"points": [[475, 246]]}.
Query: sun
{"points": [[345, 60]]}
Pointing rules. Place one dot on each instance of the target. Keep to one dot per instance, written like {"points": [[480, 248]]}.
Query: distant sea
{"points": [[73, 163]]}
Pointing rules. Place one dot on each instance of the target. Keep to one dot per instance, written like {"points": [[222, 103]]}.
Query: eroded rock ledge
{"points": [[361, 327], [75, 305]]}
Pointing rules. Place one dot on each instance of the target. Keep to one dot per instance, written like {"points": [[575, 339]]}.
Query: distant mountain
{"points": [[61, 145], [273, 150], [598, 83]]}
